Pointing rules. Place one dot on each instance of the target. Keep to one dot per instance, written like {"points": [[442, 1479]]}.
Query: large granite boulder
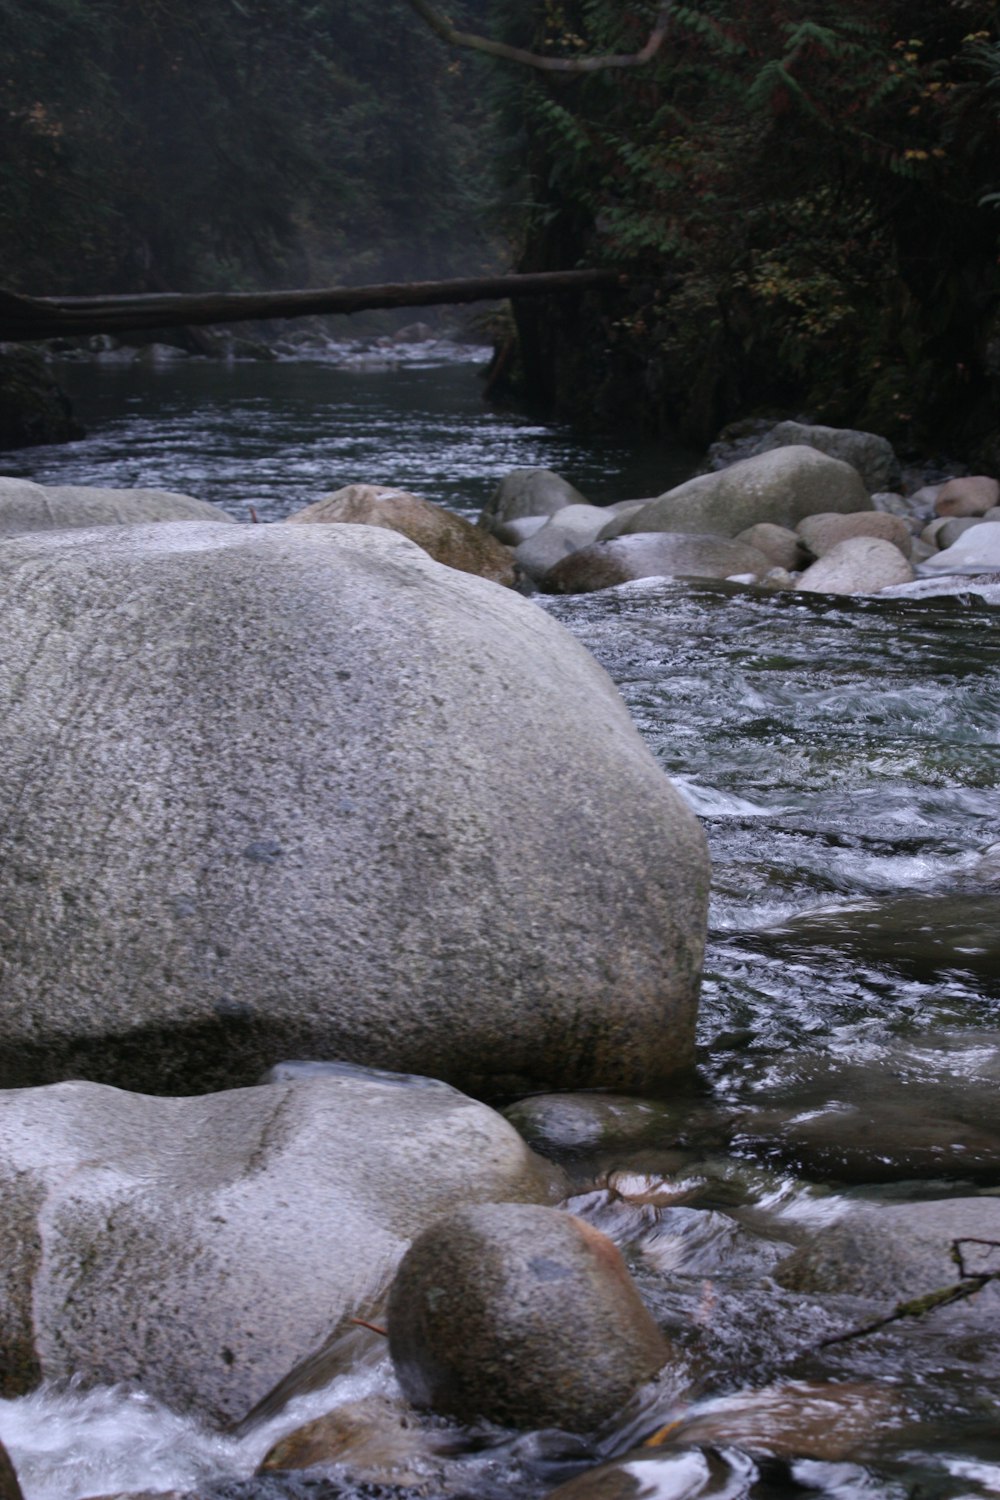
{"points": [[872, 455], [29, 507], [443, 535], [202, 1247], [528, 492], [782, 487], [521, 1314], [663, 554], [299, 791]]}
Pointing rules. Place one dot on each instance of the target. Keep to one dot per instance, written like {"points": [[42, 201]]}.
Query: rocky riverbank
{"points": [[303, 790]]}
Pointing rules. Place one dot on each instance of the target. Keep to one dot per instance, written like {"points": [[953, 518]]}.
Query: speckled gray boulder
{"points": [[898, 1252], [202, 1247], [780, 487], [820, 534], [523, 1315], [657, 554], [859, 565], [28, 507], [571, 528], [528, 492], [873, 456], [299, 791]]}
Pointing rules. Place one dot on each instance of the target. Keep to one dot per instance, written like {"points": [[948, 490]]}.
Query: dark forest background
{"points": [[804, 195]]}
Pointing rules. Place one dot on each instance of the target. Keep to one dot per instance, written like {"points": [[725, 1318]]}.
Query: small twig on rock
{"points": [[363, 1323], [971, 1283]]}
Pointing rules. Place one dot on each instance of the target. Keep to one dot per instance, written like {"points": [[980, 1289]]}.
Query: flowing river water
{"points": [[843, 756]]}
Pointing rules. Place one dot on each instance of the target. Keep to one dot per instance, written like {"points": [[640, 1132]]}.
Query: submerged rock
{"points": [[443, 535], [372, 1441], [279, 791], [899, 1252], [780, 487], [561, 1124], [523, 1315], [28, 507], [201, 1246], [664, 554]]}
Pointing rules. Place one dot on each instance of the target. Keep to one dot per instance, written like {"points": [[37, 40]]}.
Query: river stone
{"points": [[859, 565], [523, 1315], [956, 526], [933, 529], [873, 456], [564, 1124], [201, 1246], [28, 507], [571, 528], [782, 487], [972, 495], [325, 798], [528, 492], [33, 408], [976, 551], [895, 1253], [658, 554], [513, 533], [372, 1441], [820, 534], [445, 536], [779, 543]]}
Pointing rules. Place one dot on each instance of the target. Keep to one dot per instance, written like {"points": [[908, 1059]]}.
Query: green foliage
{"points": [[804, 195]]}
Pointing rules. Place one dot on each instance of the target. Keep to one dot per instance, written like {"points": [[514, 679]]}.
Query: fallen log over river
{"points": [[26, 318]]}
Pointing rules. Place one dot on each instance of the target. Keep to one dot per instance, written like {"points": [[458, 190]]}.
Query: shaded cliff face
{"points": [[33, 409]]}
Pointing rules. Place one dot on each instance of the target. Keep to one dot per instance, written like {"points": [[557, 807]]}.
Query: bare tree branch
{"points": [[448, 33]]}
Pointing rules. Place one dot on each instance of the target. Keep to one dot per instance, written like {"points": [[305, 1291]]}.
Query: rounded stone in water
{"points": [[525, 1316]]}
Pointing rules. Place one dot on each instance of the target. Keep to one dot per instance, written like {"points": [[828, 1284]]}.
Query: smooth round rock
{"points": [[782, 545], [976, 551], [972, 495], [872, 455], [956, 526], [821, 533], [571, 528], [528, 492], [300, 791], [781, 487], [28, 507], [563, 1124], [663, 554], [202, 1247], [860, 565], [443, 535], [522, 1315]]}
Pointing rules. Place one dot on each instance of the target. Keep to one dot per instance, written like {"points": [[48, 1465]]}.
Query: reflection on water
{"points": [[278, 437], [843, 755]]}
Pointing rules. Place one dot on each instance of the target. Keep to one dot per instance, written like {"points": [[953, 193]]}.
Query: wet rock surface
{"points": [[200, 1247], [525, 1317], [655, 554], [26, 507]]}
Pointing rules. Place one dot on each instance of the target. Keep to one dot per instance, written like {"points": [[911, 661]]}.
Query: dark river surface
{"points": [[844, 756]]}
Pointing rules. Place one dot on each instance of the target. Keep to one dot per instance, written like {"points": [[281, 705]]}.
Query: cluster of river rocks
{"points": [[304, 790]]}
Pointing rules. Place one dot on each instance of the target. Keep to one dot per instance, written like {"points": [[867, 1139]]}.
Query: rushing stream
{"points": [[843, 755]]}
